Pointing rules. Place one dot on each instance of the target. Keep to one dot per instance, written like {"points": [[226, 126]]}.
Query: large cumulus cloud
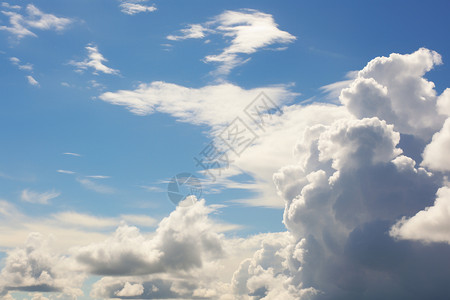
{"points": [[181, 242], [361, 214], [394, 89]]}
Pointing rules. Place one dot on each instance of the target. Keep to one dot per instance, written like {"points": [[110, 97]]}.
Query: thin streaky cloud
{"points": [[139, 220], [65, 172], [153, 188], [9, 6], [72, 154], [38, 198], [98, 176], [96, 187]]}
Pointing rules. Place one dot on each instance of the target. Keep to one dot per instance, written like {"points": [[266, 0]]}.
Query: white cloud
{"points": [[94, 61], [96, 187], [38, 198], [217, 105], [333, 90], [266, 275], [436, 154], [84, 220], [15, 61], [352, 143], [429, 225], [7, 210], [139, 220], [211, 280], [348, 188], [69, 228], [443, 102], [153, 188], [9, 6], [131, 290], [79, 220], [393, 89], [183, 241], [132, 7], [283, 130], [98, 176], [65, 172], [27, 67], [44, 21], [211, 105], [97, 85], [249, 30], [39, 296], [20, 25], [193, 31], [72, 154], [36, 268], [32, 81]]}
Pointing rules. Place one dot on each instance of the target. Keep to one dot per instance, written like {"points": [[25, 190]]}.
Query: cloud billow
{"points": [[364, 218]]}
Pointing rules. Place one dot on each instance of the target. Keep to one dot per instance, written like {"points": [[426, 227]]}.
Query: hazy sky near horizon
{"points": [[317, 134]]}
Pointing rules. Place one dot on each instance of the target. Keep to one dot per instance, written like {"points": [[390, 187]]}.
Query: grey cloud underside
{"points": [[154, 289], [182, 242]]}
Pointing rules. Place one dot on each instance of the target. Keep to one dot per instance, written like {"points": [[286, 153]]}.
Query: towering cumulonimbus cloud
{"points": [[363, 218]]}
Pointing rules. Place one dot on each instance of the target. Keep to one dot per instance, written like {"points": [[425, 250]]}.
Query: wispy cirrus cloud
{"points": [[72, 154], [76, 219], [38, 198], [26, 67], [98, 176], [21, 24], [94, 186], [192, 31], [249, 31], [94, 61], [9, 6], [65, 171], [132, 7], [88, 181]]}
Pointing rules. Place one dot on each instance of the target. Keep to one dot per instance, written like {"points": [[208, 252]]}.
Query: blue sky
{"points": [[102, 105]]}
